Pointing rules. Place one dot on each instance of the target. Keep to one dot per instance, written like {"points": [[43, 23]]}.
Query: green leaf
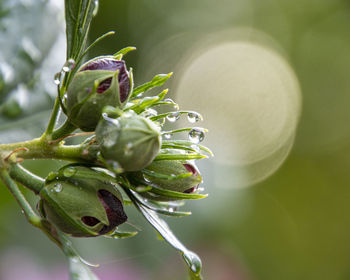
{"points": [[176, 195], [179, 156], [124, 51], [192, 260], [79, 14], [121, 234], [167, 210], [157, 81], [185, 143]]}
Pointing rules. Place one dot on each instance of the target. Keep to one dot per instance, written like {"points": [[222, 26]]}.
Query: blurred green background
{"points": [[271, 79]]}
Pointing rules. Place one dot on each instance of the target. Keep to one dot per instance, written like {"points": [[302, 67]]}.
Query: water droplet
{"points": [[194, 117], [94, 101], [69, 65], [94, 12], [57, 187], [70, 171], [128, 149], [196, 135], [146, 179], [75, 259], [193, 261], [171, 210], [169, 100], [57, 78], [167, 136], [173, 175], [173, 117], [196, 148], [116, 168], [150, 113]]}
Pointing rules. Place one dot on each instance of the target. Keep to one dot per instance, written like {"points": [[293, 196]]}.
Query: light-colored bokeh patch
{"points": [[251, 101]]}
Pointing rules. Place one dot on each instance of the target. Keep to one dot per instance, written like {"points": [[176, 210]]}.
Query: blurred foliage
{"points": [[291, 226]]}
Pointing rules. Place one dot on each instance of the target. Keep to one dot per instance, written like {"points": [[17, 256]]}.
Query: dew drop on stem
{"points": [[57, 78], [167, 136], [196, 135], [173, 117], [194, 117], [69, 65]]}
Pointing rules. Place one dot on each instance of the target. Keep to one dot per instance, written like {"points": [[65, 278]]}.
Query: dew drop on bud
{"points": [[58, 187], [196, 135], [57, 78], [128, 149], [167, 136], [194, 117], [70, 171], [69, 65], [173, 117]]}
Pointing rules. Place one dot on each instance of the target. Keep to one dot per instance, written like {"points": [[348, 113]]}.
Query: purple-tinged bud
{"points": [[156, 176], [99, 82], [79, 202]]}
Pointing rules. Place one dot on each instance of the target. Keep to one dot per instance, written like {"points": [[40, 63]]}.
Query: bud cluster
{"points": [[135, 155]]}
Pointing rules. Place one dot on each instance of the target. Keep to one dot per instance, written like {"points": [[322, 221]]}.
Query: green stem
{"points": [[53, 118], [26, 178], [63, 130], [41, 148], [30, 214]]}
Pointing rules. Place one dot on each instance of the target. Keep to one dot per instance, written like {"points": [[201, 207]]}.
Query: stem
{"points": [[26, 178], [53, 118], [40, 148], [30, 214], [63, 130]]}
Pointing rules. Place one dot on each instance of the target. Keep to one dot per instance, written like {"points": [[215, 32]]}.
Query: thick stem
{"points": [[26, 178], [41, 148]]}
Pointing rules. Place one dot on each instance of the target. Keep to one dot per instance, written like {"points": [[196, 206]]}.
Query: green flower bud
{"points": [[130, 140], [82, 202], [167, 174], [99, 82]]}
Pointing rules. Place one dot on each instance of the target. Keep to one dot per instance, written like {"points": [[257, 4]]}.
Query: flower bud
{"points": [[80, 203], [99, 82], [130, 140], [173, 169]]}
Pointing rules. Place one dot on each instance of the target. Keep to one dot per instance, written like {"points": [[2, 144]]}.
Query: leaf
{"points": [[124, 51], [79, 14], [192, 260], [157, 81], [178, 156], [121, 234], [167, 210], [176, 195]]}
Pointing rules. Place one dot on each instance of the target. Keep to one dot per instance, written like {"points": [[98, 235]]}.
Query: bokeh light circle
{"points": [[251, 101]]}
